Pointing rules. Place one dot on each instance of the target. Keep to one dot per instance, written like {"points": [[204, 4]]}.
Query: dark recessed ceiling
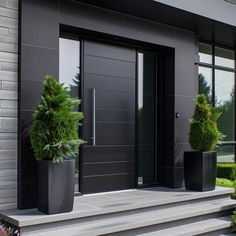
{"points": [[231, 1]]}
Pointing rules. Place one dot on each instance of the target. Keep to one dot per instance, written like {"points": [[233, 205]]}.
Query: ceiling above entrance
{"points": [[231, 1]]}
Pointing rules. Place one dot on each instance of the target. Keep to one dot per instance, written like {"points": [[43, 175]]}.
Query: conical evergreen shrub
{"points": [[54, 134], [204, 134]]}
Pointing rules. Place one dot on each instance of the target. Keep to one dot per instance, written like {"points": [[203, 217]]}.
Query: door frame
{"points": [[84, 34]]}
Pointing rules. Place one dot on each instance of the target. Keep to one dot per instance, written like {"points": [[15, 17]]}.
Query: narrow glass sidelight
{"points": [[147, 163], [69, 74]]}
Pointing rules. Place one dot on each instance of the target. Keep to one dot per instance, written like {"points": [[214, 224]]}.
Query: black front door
{"points": [[108, 158]]}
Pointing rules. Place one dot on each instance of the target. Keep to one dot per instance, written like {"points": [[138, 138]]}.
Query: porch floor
{"points": [[104, 203]]}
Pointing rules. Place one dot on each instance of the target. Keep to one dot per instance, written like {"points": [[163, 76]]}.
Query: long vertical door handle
{"points": [[94, 117]]}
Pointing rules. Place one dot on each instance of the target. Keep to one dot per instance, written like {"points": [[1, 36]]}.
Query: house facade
{"points": [[137, 67]]}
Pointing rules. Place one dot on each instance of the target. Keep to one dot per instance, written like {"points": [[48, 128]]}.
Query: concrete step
{"points": [[125, 209], [203, 227], [147, 221], [116, 204]]}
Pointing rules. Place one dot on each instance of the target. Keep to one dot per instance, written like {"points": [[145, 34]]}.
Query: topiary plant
{"points": [[204, 134], [54, 134]]}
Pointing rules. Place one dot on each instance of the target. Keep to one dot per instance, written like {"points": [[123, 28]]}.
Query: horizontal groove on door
{"points": [[106, 183], [103, 153], [111, 67], [116, 174], [109, 76], [109, 115], [106, 162], [109, 58], [110, 100], [113, 91], [112, 122], [108, 168], [114, 109], [110, 51], [112, 134], [106, 146], [112, 83]]}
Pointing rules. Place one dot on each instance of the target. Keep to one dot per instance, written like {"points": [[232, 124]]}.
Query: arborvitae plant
{"points": [[204, 134], [54, 134]]}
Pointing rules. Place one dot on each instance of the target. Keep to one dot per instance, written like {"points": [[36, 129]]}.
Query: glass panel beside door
{"points": [[69, 74], [147, 163]]}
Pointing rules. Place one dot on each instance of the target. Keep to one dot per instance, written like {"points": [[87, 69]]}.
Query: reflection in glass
{"points": [[70, 65], [205, 82], [146, 117], [224, 102], [225, 154], [69, 74], [205, 53], [224, 57]]}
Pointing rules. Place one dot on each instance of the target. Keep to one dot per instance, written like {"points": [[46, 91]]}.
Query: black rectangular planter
{"points": [[56, 184], [200, 170]]}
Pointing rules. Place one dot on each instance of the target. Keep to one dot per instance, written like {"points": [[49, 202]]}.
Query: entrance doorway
{"points": [[118, 88]]}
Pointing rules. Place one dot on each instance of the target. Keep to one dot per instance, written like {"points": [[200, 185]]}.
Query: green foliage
{"points": [[204, 87], [233, 229], [225, 183], [228, 184], [54, 134], [204, 134], [226, 170]]}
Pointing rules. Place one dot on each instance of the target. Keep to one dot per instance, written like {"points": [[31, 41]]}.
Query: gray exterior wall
{"points": [[185, 85], [8, 103], [47, 16]]}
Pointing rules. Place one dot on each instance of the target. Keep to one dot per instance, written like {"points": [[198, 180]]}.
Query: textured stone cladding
{"points": [[8, 103]]}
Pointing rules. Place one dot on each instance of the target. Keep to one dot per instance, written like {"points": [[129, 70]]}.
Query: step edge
{"points": [[223, 225], [156, 222], [160, 220], [76, 215]]}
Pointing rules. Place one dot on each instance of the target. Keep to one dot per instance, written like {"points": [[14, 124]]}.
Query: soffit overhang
{"points": [[205, 28]]}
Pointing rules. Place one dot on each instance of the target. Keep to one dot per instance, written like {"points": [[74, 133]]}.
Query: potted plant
{"points": [[200, 164], [55, 141]]}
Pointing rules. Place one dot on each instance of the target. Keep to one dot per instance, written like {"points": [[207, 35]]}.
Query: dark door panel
{"points": [[112, 83], [109, 115], [108, 168], [119, 153], [112, 52], [110, 164], [103, 183], [109, 99], [108, 133], [108, 67]]}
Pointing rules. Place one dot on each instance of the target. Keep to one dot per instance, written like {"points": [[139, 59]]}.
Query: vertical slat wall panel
{"points": [[8, 103]]}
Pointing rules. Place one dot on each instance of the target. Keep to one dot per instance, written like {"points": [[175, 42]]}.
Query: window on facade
{"points": [[69, 74], [224, 57], [205, 53], [216, 76], [205, 82]]}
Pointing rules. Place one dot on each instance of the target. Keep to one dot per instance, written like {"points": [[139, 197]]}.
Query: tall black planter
{"points": [[56, 184], [200, 170]]}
